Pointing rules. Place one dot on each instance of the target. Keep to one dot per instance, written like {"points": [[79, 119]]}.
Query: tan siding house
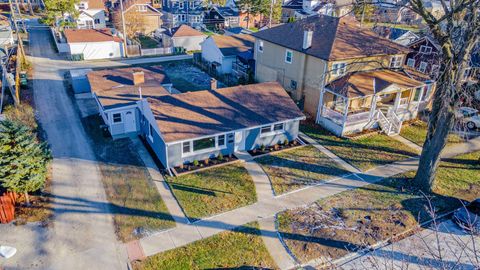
{"points": [[309, 56]]}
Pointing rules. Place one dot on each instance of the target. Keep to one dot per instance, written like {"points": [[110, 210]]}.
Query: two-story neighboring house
{"points": [[424, 57], [138, 13], [179, 12], [91, 14], [300, 9], [349, 78]]}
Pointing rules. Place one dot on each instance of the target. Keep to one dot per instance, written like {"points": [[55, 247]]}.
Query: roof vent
{"points": [[138, 77], [307, 39]]}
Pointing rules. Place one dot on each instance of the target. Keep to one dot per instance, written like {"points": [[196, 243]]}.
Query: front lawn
{"points": [[334, 226], [213, 191], [296, 168], [364, 153], [242, 248], [134, 200], [416, 132]]}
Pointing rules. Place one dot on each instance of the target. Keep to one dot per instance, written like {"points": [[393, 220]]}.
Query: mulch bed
{"points": [[274, 148], [204, 164]]}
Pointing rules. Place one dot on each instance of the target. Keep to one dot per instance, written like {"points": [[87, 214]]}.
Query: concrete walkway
{"points": [[408, 143], [163, 189], [267, 208], [347, 166], [261, 180], [275, 247]]}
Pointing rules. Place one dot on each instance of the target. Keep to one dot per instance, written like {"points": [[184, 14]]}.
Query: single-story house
{"points": [[93, 44], [117, 92], [222, 51], [183, 36], [197, 125]]}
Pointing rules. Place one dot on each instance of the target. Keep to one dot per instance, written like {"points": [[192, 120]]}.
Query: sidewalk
{"points": [[267, 208]]}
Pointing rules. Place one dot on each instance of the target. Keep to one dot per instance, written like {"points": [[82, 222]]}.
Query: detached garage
{"points": [[91, 44]]}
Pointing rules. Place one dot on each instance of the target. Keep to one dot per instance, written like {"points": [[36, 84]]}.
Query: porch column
{"points": [[320, 106], [373, 106], [345, 111], [397, 101]]}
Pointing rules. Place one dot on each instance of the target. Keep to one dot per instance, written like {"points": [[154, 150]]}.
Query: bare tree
{"points": [[134, 23]]}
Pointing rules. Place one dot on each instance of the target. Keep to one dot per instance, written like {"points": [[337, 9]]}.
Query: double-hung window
{"points": [[339, 69], [186, 147], [278, 127], [423, 67], [204, 144], [180, 4], [425, 49], [396, 61], [117, 118], [272, 129], [288, 56], [411, 62], [221, 140]]}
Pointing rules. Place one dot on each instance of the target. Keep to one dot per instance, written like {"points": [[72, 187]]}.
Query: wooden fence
{"points": [[7, 206]]}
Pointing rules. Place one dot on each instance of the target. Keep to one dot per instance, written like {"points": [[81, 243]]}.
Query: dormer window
{"points": [[396, 61], [142, 8], [339, 69], [425, 49]]}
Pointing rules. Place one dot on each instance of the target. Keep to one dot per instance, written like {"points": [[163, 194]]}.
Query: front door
{"points": [[130, 124], [239, 141]]}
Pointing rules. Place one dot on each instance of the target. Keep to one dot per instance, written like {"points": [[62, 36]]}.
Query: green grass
{"points": [[242, 248], [137, 207], [417, 132], [296, 168], [213, 191], [364, 153], [147, 42], [376, 212]]}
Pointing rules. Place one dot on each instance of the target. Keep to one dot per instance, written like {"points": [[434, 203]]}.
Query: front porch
{"points": [[386, 110]]}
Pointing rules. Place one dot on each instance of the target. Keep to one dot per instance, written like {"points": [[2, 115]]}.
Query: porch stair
{"points": [[390, 124]]}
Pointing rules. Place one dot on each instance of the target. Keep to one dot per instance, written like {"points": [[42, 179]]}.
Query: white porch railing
{"points": [[333, 115]]}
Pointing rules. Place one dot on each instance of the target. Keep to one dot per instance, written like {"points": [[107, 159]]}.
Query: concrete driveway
{"points": [[455, 250], [82, 234]]}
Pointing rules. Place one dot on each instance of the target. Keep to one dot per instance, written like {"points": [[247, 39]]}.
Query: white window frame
{"points": [[396, 61], [113, 118], [286, 56], [181, 5], [423, 70], [216, 147], [411, 62], [272, 131], [260, 46], [141, 8], [425, 49], [339, 68]]}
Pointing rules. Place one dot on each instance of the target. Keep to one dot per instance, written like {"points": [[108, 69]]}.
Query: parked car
{"points": [[469, 117], [468, 217]]}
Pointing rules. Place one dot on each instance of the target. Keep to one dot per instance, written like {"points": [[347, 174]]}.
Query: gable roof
{"points": [[90, 35], [333, 38], [360, 84], [114, 87], [226, 11], [425, 39], [184, 31], [203, 113], [234, 44]]}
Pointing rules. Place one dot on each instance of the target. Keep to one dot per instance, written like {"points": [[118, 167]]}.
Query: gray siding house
{"points": [[181, 128]]}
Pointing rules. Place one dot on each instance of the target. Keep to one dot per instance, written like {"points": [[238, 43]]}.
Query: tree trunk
{"points": [[30, 8], [27, 198]]}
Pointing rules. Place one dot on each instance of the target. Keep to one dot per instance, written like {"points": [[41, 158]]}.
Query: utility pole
{"points": [[123, 29], [272, 2]]}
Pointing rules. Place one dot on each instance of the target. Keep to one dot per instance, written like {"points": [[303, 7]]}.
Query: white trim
{"points": [[339, 71], [396, 61], [260, 45], [272, 131], [426, 49], [193, 152], [113, 118], [236, 130]]}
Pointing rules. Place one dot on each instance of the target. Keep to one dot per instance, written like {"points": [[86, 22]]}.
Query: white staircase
{"points": [[389, 124]]}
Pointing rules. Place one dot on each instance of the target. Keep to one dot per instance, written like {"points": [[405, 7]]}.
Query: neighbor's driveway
{"points": [[420, 251], [82, 236]]}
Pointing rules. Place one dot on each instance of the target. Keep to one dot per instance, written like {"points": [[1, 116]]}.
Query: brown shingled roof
{"points": [[184, 31], [114, 87], [361, 84], [333, 38], [234, 44], [194, 114], [89, 35], [96, 4]]}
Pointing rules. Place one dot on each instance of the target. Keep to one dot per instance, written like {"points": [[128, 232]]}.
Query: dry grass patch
{"points": [[137, 208], [333, 227], [364, 153], [299, 167], [242, 248], [214, 190]]}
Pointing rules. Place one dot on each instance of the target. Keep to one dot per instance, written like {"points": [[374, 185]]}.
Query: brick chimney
{"points": [[307, 39], [138, 77], [213, 84]]}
